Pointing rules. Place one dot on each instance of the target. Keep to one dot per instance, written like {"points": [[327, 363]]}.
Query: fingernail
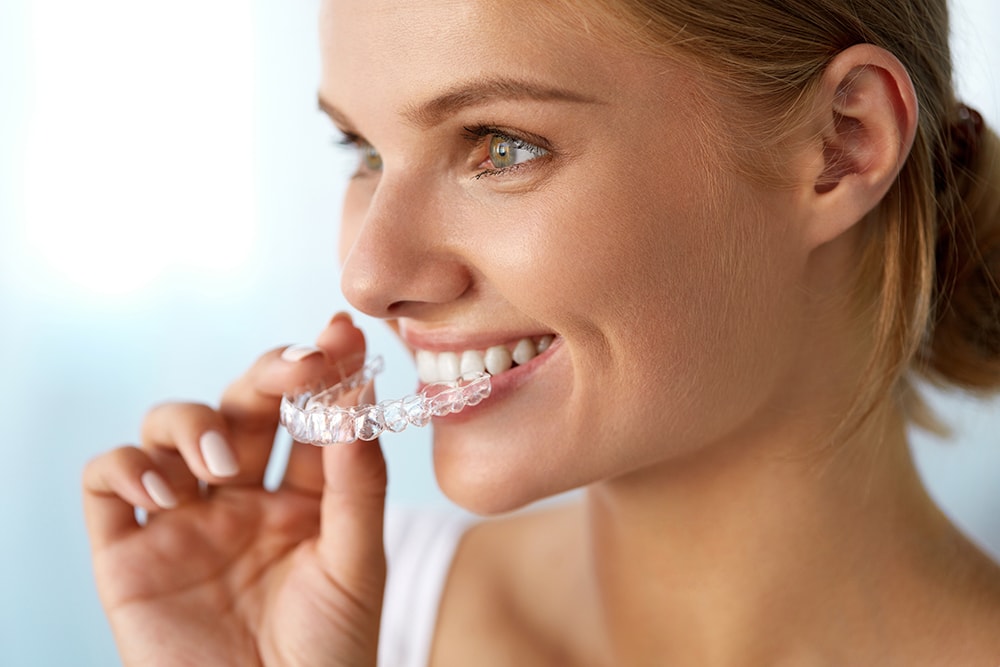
{"points": [[158, 489], [219, 458], [342, 316], [367, 396], [299, 352]]}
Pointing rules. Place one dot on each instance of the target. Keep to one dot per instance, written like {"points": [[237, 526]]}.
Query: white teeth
{"points": [[472, 362], [497, 360], [450, 366], [524, 351], [427, 366], [447, 367]]}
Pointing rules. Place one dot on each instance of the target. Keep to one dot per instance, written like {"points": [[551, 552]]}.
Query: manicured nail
{"points": [[219, 458], [158, 489], [299, 352]]}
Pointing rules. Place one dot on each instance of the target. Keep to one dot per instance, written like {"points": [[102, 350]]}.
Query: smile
{"points": [[450, 366]]}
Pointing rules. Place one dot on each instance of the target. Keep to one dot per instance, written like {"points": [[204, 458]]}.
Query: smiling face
{"points": [[521, 180]]}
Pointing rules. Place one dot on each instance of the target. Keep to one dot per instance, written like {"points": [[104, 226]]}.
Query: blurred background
{"points": [[168, 210]]}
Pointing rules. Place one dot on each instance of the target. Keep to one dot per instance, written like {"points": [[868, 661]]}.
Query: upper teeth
{"points": [[450, 366]]}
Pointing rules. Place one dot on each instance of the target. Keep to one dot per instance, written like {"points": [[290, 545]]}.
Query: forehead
{"points": [[380, 55]]}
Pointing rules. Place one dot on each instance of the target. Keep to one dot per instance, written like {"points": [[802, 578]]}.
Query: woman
{"points": [[741, 227]]}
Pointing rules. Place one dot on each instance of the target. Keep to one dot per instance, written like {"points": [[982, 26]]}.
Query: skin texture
{"points": [[707, 340], [573, 244]]}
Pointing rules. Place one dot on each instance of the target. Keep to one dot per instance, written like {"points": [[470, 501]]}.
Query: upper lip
{"points": [[451, 340]]}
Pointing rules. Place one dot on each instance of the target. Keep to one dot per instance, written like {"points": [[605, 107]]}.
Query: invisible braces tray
{"points": [[313, 415]]}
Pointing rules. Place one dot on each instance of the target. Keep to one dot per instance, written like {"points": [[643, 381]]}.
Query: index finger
{"points": [[253, 399], [250, 405]]}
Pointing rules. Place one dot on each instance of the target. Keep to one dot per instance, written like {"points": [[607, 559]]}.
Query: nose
{"points": [[397, 260]]}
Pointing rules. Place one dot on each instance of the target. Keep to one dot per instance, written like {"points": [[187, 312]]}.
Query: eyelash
{"points": [[355, 143], [348, 140], [475, 134], [479, 134]]}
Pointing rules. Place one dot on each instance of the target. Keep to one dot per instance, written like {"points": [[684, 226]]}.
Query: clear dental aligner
{"points": [[313, 416]]}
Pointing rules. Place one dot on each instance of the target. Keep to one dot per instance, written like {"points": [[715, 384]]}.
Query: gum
{"points": [[313, 416]]}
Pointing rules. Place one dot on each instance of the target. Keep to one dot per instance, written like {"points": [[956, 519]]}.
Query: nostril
{"points": [[403, 308]]}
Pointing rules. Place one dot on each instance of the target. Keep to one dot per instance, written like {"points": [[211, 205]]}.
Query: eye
{"points": [[369, 159], [506, 152]]}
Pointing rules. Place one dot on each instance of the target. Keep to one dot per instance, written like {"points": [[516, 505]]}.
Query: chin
{"points": [[483, 493], [489, 485], [484, 501]]}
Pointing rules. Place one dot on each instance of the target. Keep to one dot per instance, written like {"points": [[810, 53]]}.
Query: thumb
{"points": [[352, 513]]}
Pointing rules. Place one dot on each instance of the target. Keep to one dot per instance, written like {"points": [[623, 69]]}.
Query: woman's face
{"points": [[525, 180]]}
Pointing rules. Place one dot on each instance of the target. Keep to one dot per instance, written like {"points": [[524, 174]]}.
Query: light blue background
{"points": [[168, 207]]}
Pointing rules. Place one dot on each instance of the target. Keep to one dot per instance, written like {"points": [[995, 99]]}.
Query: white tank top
{"points": [[419, 547]]}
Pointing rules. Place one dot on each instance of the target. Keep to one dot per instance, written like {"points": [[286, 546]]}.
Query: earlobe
{"points": [[868, 114]]}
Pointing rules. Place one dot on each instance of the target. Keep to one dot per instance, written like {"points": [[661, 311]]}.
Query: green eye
{"points": [[502, 152], [370, 158], [507, 152]]}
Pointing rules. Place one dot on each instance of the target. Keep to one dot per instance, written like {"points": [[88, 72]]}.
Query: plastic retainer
{"points": [[313, 416]]}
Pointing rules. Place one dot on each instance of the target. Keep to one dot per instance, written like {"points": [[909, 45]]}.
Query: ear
{"points": [[867, 114]]}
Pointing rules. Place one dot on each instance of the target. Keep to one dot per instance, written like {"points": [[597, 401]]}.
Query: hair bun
{"points": [[964, 346], [966, 134]]}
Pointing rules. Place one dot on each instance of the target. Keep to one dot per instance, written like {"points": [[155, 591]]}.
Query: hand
{"points": [[226, 572]]}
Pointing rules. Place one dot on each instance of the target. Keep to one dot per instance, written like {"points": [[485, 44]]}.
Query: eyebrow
{"points": [[471, 94]]}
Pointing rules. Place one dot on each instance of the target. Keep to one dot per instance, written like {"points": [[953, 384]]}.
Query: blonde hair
{"points": [[935, 238]]}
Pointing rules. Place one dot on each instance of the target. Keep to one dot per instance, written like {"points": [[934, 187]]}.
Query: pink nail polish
{"points": [[217, 454], [294, 353], [158, 489]]}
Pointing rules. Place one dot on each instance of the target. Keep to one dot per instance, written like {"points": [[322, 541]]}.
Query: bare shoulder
{"points": [[510, 581]]}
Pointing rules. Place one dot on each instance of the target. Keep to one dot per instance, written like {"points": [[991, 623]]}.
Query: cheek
{"points": [[674, 290], [642, 250]]}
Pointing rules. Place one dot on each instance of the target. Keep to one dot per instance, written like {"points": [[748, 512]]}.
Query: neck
{"points": [[751, 552]]}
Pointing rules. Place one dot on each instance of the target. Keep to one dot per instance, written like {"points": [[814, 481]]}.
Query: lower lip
{"points": [[502, 385]]}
